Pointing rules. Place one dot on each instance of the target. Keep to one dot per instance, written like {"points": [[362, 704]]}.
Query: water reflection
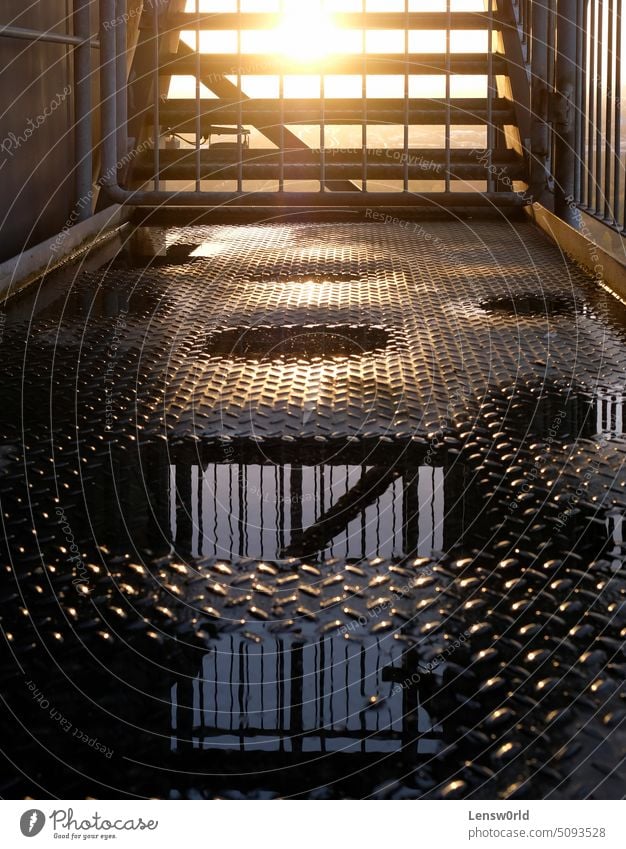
{"points": [[609, 407], [615, 533], [268, 512], [284, 695]]}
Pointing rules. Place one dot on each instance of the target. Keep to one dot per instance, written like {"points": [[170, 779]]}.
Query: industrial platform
{"points": [[317, 510]]}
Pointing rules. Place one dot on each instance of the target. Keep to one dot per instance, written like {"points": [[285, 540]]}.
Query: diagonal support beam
{"points": [[370, 486], [226, 90]]}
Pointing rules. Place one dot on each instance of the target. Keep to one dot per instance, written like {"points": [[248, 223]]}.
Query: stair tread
{"points": [[377, 64], [262, 163], [180, 112], [373, 20], [460, 155]]}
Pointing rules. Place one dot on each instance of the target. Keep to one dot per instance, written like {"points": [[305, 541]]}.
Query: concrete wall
{"points": [[37, 193]]}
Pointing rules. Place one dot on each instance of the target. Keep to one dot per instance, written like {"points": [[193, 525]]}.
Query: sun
{"points": [[307, 32]]}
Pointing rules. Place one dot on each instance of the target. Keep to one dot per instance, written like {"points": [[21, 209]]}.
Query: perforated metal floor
{"points": [[295, 440]]}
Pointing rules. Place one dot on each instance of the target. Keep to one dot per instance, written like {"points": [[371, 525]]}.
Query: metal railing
{"points": [[600, 182], [342, 181], [282, 694], [254, 511], [576, 65], [563, 58]]}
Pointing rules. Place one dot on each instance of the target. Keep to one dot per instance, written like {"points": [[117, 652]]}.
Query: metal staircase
{"points": [[412, 150]]}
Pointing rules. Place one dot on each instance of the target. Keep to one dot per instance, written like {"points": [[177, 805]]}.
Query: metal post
{"points": [[108, 94], [156, 94], [122, 79], [82, 110], [491, 96], [564, 119], [540, 137], [407, 70], [364, 96], [447, 129], [198, 122]]}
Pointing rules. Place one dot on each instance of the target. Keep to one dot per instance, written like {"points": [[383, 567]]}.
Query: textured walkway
{"points": [[367, 478]]}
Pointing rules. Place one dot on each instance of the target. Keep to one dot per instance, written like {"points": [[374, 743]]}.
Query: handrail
{"points": [[48, 36]]}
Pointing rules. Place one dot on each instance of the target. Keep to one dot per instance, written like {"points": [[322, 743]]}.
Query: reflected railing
{"points": [[279, 694], [228, 510]]}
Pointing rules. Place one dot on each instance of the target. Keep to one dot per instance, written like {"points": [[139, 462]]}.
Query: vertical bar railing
{"points": [[590, 103], [610, 107], [599, 181], [579, 102], [617, 119], [619, 204], [599, 108]]}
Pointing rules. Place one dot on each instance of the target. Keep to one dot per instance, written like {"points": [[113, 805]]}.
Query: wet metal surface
{"points": [[316, 510]]}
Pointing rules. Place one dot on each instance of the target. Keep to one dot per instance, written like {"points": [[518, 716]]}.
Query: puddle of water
{"points": [[309, 343], [200, 629], [531, 306], [270, 512]]}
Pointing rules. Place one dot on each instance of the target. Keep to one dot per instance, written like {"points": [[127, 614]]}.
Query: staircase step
{"points": [[180, 114], [382, 164], [375, 64], [358, 20]]}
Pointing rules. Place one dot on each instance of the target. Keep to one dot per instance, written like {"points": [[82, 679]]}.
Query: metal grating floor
{"points": [[475, 378]]}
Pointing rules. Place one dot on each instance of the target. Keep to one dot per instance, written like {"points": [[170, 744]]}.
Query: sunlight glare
{"points": [[307, 32]]}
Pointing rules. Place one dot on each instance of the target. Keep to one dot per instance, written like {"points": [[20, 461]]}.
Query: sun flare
{"points": [[307, 34]]}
